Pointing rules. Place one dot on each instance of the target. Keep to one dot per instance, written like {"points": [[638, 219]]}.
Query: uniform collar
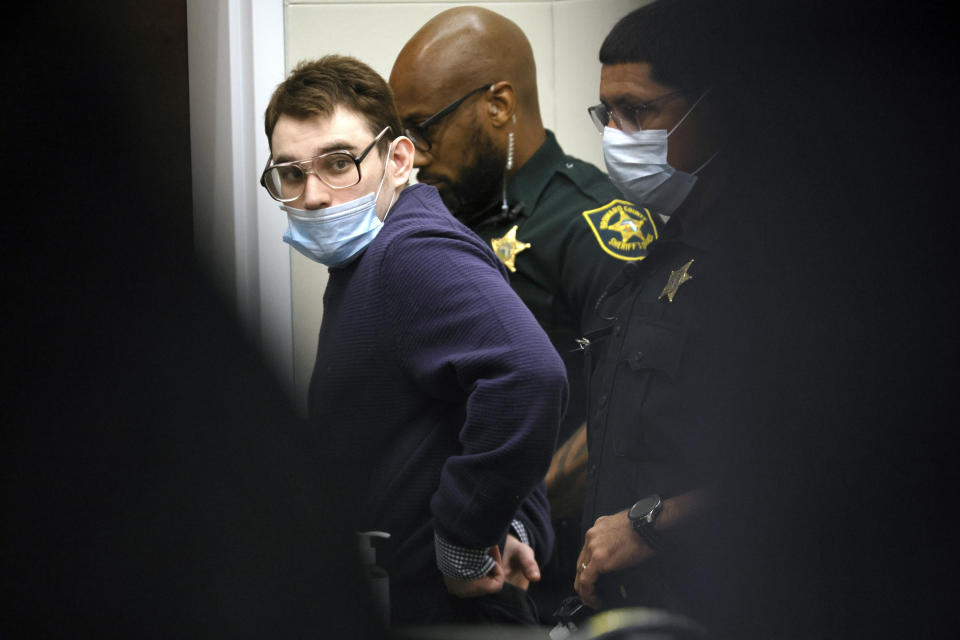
{"points": [[531, 180], [718, 226]]}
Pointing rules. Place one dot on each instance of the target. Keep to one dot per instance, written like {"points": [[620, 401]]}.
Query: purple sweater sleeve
{"points": [[534, 515], [463, 335]]}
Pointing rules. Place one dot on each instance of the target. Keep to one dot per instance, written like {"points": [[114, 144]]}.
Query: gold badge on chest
{"points": [[677, 278], [508, 247]]}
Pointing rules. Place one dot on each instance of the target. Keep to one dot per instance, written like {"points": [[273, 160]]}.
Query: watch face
{"points": [[644, 508]]}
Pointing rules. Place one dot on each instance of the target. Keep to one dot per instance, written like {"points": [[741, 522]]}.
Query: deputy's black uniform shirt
{"points": [[668, 384], [572, 257]]}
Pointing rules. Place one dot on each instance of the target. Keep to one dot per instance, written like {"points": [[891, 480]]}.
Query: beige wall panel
{"points": [[375, 32], [579, 29]]}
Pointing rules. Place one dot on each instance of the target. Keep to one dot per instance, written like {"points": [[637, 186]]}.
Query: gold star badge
{"points": [[508, 247], [677, 278]]}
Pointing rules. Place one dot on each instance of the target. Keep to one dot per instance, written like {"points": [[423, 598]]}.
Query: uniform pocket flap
{"points": [[655, 345]]}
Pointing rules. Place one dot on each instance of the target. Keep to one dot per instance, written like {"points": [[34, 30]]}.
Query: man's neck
{"points": [[527, 141], [479, 217], [705, 193]]}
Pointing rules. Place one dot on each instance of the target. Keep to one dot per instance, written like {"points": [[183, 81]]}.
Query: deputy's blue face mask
{"points": [[334, 235]]}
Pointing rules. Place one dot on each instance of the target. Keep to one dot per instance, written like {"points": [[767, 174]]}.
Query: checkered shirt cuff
{"points": [[521, 532], [461, 562]]}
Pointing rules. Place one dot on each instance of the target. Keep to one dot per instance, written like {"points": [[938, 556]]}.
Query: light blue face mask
{"points": [[335, 235]]}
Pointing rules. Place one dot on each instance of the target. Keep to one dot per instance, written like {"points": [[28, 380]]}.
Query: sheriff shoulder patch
{"points": [[623, 230]]}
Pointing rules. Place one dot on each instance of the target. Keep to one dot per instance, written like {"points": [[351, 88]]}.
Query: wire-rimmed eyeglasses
{"points": [[626, 117], [417, 133], [286, 181]]}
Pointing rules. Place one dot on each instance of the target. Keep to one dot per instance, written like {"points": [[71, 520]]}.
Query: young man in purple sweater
{"points": [[433, 380]]}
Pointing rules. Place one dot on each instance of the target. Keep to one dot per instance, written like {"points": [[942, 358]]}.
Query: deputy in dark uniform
{"points": [[551, 243], [668, 387], [665, 387], [465, 86]]}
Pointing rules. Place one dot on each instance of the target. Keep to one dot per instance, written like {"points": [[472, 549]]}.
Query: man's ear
{"points": [[501, 104], [400, 164]]}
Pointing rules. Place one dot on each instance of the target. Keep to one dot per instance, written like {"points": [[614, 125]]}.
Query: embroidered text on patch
{"points": [[623, 230]]}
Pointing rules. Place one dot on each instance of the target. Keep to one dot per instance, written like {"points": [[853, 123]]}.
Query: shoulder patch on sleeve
{"points": [[623, 230]]}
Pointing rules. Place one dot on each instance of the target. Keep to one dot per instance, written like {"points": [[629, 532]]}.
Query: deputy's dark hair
{"points": [[320, 86], [680, 39]]}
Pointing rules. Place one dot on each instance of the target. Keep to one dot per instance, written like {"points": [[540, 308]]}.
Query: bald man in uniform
{"points": [[465, 86]]}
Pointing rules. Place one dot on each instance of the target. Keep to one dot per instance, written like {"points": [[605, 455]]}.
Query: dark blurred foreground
{"points": [[157, 483]]}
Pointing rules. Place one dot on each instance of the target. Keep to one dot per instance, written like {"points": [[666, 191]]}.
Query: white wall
{"points": [[211, 148], [240, 50], [235, 57]]}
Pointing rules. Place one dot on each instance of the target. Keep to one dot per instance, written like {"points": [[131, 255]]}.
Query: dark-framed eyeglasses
{"points": [[626, 117], [417, 133], [286, 181]]}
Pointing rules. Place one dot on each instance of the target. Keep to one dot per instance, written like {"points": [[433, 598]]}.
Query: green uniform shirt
{"points": [[571, 257]]}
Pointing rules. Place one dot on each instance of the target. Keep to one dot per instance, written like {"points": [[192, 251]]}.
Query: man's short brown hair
{"points": [[317, 87]]}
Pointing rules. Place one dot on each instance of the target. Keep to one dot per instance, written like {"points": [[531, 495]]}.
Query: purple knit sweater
{"points": [[438, 387]]}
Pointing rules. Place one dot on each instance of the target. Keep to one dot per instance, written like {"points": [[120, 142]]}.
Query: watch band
{"points": [[642, 515], [649, 535]]}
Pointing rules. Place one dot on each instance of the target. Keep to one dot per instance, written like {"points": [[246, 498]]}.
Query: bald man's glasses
{"points": [[627, 117], [417, 132]]}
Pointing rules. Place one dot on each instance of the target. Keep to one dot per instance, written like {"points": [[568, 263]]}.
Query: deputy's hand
{"points": [[484, 585], [610, 544], [520, 563]]}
